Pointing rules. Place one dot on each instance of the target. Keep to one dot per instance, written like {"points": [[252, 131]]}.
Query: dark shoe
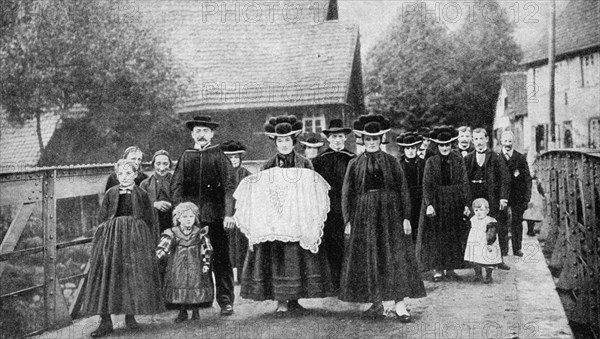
{"points": [[405, 318], [488, 276], [294, 306], [488, 279], [195, 315], [374, 312], [519, 253], [131, 323], [281, 314], [438, 276], [227, 310], [503, 266], [181, 317], [103, 329], [450, 274]]}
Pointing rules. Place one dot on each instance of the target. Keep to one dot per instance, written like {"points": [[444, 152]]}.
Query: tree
{"points": [[486, 49], [60, 54], [407, 68], [422, 74]]}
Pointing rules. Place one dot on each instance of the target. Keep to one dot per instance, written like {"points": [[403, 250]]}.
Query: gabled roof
{"points": [[268, 63], [577, 29], [515, 85], [19, 147]]}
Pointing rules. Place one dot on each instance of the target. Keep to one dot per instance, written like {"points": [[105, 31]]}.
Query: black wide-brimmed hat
{"points": [[409, 139], [336, 126], [424, 132], [371, 125], [202, 120], [233, 147], [283, 126], [443, 134], [311, 140]]}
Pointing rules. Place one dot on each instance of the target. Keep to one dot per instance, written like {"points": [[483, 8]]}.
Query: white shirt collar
{"points": [[198, 147]]}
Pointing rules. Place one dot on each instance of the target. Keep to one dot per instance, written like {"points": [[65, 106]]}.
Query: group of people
{"points": [[360, 227]]}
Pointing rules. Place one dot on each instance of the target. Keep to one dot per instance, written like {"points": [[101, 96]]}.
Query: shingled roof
{"points": [[577, 28], [19, 147], [240, 63]]}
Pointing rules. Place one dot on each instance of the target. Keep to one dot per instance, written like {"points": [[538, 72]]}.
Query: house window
{"points": [[589, 71], [595, 132], [313, 123]]}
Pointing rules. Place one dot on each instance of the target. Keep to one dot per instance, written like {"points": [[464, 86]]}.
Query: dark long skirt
{"points": [[238, 246], [123, 276], [333, 244], [416, 198], [282, 271], [442, 239], [379, 261], [185, 283]]}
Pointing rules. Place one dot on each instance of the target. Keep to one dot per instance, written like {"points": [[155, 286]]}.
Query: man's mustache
{"points": [[201, 139]]}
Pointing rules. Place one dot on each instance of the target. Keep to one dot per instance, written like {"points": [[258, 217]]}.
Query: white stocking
{"points": [[401, 308], [388, 306]]}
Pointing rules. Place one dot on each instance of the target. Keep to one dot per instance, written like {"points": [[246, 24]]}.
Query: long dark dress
{"points": [[159, 189], [379, 262], [413, 171], [441, 239], [186, 284], [123, 276], [238, 243], [332, 165], [277, 270]]}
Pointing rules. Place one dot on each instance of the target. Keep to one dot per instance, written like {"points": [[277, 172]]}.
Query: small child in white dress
{"points": [[483, 250]]}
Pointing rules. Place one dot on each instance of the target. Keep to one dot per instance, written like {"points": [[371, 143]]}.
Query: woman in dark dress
{"points": [[238, 244], [158, 188], [446, 197], [123, 276], [284, 270], [413, 167], [379, 263]]}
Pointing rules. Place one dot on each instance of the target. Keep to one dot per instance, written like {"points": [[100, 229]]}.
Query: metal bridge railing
{"points": [[31, 293], [571, 179]]}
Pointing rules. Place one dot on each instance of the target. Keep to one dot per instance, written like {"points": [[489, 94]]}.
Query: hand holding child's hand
{"points": [[229, 223], [162, 206], [204, 269]]}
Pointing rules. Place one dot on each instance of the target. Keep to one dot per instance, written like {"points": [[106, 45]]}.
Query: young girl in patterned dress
{"points": [[188, 281]]}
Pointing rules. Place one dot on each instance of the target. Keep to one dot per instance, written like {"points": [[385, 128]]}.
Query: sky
{"points": [[374, 16]]}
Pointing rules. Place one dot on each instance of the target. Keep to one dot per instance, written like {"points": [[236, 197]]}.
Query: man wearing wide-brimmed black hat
{"points": [[204, 176], [331, 165]]}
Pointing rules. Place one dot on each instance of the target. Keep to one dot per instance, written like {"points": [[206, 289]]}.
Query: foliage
{"points": [[60, 55], [423, 74], [485, 49]]}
